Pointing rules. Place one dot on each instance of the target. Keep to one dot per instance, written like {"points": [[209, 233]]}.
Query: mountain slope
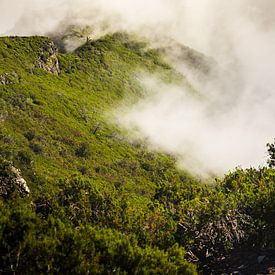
{"points": [[53, 129], [86, 198]]}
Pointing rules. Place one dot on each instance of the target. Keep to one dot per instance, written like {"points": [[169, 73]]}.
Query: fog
{"points": [[231, 117]]}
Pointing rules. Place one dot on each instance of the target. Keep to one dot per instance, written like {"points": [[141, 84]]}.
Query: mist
{"points": [[230, 118]]}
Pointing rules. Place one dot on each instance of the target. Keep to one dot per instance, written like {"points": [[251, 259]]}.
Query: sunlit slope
{"points": [[53, 123], [53, 128], [88, 200]]}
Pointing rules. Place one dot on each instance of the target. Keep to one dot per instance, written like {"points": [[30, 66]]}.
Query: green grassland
{"points": [[99, 203]]}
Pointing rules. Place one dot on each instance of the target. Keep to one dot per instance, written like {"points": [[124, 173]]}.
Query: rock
{"points": [[21, 183], [48, 60], [260, 259], [11, 180], [8, 78], [4, 80]]}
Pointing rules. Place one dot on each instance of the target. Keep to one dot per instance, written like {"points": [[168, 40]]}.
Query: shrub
{"points": [[271, 152], [36, 148], [25, 158], [30, 135], [83, 150]]}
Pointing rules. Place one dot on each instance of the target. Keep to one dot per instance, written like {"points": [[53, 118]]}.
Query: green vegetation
{"points": [[271, 151], [98, 203]]}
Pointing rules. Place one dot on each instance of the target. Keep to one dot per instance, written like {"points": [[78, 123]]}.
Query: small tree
{"points": [[79, 33], [271, 152]]}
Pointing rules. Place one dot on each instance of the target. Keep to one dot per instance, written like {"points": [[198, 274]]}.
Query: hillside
{"points": [[88, 200]]}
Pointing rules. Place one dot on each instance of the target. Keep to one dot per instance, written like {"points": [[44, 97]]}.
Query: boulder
{"points": [[8, 78], [48, 60], [11, 181]]}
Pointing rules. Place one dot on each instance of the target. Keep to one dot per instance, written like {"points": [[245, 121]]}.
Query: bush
{"points": [[271, 152], [25, 158], [83, 150], [36, 148], [30, 135]]}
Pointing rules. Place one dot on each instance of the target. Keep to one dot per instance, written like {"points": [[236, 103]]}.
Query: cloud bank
{"points": [[233, 118]]}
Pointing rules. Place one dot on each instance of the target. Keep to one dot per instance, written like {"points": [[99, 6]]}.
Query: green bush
{"points": [[83, 150]]}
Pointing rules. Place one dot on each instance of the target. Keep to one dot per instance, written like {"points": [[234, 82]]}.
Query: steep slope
{"points": [[87, 200], [56, 122], [53, 129]]}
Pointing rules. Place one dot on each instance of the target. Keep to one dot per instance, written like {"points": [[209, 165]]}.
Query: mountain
{"points": [[77, 196]]}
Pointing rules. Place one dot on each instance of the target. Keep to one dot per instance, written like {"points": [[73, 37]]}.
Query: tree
{"points": [[80, 33], [271, 152]]}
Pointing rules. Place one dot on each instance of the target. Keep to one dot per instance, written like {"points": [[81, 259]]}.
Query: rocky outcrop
{"points": [[11, 181], [7, 79], [20, 182], [48, 60]]}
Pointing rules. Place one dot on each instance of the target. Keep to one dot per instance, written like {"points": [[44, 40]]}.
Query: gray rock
{"points": [[12, 180], [21, 183], [48, 60], [5, 79], [8, 78]]}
